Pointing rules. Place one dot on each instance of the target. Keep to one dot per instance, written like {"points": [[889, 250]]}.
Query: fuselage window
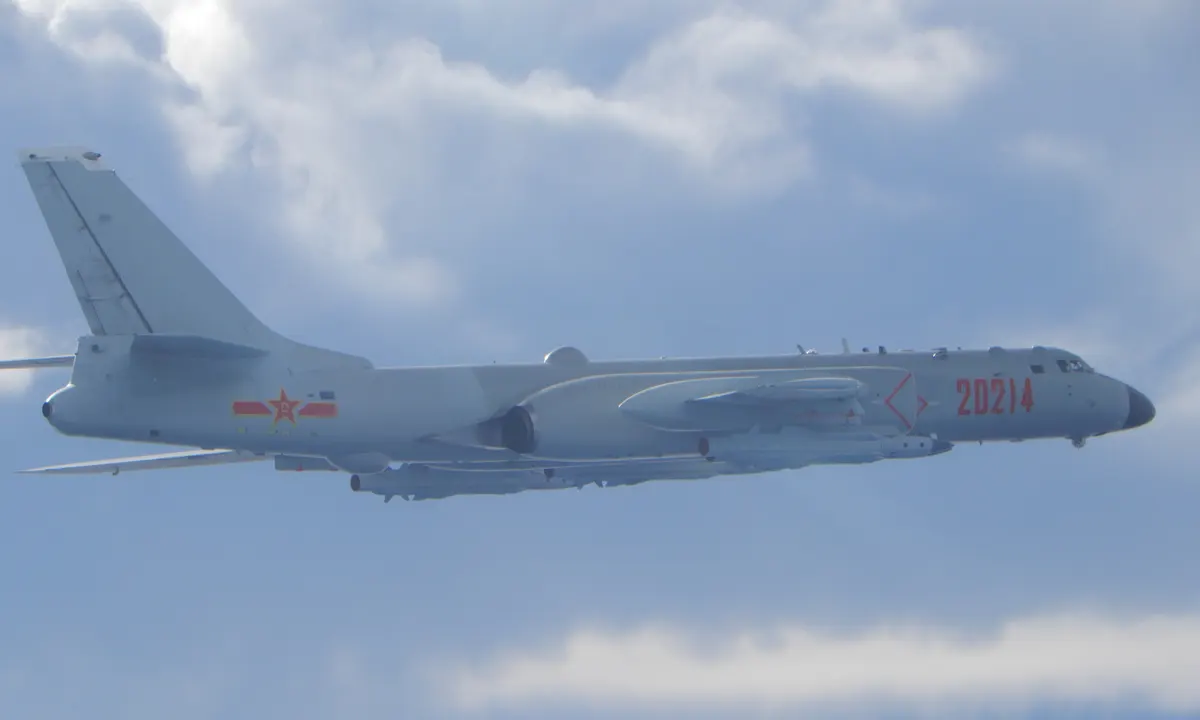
{"points": [[1037, 369], [1069, 366]]}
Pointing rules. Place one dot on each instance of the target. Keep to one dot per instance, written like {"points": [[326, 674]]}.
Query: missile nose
{"points": [[941, 446], [1141, 410]]}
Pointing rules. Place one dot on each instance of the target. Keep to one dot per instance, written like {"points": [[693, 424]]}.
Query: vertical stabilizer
{"points": [[130, 273]]}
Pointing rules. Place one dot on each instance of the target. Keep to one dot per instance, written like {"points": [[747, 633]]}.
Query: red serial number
{"points": [[993, 396]]}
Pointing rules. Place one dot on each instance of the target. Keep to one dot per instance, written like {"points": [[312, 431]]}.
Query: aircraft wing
{"points": [[186, 458]]}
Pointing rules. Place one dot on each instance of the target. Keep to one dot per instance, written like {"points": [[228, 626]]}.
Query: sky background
{"points": [[472, 181]]}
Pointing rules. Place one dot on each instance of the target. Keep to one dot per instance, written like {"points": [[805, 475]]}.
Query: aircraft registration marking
{"points": [[993, 396]]}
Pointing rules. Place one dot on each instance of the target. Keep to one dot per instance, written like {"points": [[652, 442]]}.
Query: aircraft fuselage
{"points": [[363, 418]]}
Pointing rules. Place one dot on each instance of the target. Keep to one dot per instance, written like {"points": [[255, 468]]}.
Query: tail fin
{"points": [[132, 276], [130, 273]]}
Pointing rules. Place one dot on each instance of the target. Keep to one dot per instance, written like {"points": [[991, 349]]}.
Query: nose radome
{"points": [[1141, 410]]}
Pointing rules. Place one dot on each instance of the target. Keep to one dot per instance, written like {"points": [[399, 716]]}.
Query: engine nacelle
{"points": [[515, 430], [581, 419]]}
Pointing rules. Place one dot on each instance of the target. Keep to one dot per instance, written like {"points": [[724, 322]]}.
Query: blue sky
{"points": [[485, 181]]}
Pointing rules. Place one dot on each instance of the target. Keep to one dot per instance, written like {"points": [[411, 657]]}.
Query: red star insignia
{"points": [[285, 407]]}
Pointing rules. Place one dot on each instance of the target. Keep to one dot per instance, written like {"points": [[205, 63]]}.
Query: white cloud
{"points": [[89, 682], [1155, 221], [18, 342], [1059, 155], [1140, 187], [1074, 658], [1178, 404], [363, 136], [1185, 400]]}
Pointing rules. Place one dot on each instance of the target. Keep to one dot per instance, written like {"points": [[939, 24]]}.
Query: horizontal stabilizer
{"points": [[28, 363], [186, 458], [193, 346]]}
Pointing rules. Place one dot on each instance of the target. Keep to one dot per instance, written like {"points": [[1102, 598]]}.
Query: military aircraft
{"points": [[174, 358]]}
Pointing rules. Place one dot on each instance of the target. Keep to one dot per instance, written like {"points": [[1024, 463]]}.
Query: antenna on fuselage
{"points": [[845, 346]]}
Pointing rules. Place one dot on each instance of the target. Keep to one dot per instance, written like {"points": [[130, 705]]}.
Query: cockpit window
{"points": [[1074, 365]]}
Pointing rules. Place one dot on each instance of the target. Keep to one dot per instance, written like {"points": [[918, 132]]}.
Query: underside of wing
{"points": [[186, 458]]}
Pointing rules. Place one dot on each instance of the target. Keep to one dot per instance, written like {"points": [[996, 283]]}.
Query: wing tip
{"points": [[86, 156], [48, 470], [67, 469]]}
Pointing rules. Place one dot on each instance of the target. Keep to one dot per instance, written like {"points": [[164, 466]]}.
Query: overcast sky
{"points": [[476, 181]]}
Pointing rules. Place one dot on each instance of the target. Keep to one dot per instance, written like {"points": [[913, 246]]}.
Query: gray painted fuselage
{"points": [[407, 414]]}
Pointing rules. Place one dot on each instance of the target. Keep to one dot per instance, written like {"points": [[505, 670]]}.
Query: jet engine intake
{"points": [[581, 419]]}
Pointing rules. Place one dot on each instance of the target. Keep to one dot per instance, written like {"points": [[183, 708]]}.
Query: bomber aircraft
{"points": [[174, 358]]}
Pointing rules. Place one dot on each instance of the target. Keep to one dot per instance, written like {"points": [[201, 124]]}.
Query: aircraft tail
{"points": [[130, 273]]}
